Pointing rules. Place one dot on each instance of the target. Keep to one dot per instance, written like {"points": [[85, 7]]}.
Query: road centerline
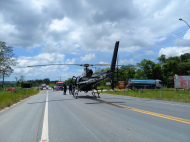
{"points": [[146, 112], [44, 137]]}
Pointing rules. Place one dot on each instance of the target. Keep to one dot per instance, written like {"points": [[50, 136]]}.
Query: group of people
{"points": [[65, 88]]}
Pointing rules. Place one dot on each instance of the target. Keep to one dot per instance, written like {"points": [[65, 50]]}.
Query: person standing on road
{"points": [[70, 88], [65, 88]]}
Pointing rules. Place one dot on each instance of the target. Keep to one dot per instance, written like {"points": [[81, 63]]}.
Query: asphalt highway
{"points": [[54, 117]]}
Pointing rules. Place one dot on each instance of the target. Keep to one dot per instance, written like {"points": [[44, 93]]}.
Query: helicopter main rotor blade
{"points": [[54, 64], [83, 65]]}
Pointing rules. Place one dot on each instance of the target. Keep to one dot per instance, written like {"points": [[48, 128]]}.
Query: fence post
{"points": [[139, 92], [161, 93]]}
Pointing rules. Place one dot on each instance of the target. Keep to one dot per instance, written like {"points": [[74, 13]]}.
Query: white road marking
{"points": [[44, 137]]}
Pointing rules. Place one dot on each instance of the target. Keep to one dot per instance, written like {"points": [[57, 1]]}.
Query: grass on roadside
{"points": [[8, 98], [167, 94]]}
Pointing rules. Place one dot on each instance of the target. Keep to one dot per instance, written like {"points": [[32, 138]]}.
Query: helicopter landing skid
{"points": [[93, 93], [75, 94]]}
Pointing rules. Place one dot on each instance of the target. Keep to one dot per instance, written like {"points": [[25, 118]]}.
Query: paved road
{"points": [[63, 118]]}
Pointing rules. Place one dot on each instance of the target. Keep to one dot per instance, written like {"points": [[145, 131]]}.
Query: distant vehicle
{"points": [[42, 86], [49, 88], [144, 83], [59, 85], [10, 89], [122, 84]]}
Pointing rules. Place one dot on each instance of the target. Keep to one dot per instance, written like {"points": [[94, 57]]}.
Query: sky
{"points": [[85, 31]]}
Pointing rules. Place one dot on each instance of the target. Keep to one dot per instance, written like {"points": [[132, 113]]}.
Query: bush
{"points": [[8, 98]]}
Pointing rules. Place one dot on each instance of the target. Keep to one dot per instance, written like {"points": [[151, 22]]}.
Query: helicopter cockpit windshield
{"points": [[89, 72]]}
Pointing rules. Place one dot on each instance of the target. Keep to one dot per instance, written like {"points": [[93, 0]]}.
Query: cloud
{"points": [[182, 43], [87, 57], [41, 59], [125, 61], [93, 25], [185, 41], [173, 51], [72, 27], [149, 52], [70, 61], [101, 62]]}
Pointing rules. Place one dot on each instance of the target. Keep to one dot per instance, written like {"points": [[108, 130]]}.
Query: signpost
{"points": [[181, 81]]}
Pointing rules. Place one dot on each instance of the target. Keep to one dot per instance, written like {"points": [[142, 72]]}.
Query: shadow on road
{"points": [[50, 101]]}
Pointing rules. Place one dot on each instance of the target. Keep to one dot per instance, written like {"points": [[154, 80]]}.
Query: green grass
{"points": [[169, 94], [8, 98], [51, 85]]}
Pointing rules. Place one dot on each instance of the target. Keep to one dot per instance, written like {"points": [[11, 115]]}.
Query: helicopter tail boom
{"points": [[114, 58]]}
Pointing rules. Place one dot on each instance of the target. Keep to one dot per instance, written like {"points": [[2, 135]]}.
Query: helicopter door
{"points": [[77, 80]]}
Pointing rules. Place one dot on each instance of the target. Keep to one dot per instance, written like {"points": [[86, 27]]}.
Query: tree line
{"points": [[164, 70]]}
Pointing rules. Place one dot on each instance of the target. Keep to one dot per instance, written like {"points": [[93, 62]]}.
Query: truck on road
{"points": [[59, 85], [122, 84], [43, 86]]}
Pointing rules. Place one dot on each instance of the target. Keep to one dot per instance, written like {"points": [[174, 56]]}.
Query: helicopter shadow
{"points": [[99, 101], [50, 101]]}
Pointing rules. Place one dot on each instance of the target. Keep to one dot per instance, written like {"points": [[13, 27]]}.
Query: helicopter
{"points": [[87, 81]]}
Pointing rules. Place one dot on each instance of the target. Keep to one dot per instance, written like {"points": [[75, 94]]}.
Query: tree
{"points": [[162, 59], [47, 81], [185, 57], [139, 74], [6, 61], [68, 81], [126, 72], [21, 78], [147, 66], [16, 79], [5, 72]]}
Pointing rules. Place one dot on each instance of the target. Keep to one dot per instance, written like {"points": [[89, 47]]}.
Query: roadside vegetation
{"points": [[170, 94], [164, 70], [8, 98]]}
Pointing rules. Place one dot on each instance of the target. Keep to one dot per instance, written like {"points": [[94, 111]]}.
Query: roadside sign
{"points": [[108, 83], [181, 81]]}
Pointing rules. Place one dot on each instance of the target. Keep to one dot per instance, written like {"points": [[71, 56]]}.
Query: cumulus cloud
{"points": [[42, 59], [87, 57], [173, 51], [93, 25], [125, 62]]}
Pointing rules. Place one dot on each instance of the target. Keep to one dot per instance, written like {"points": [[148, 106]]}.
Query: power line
{"points": [[162, 43]]}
